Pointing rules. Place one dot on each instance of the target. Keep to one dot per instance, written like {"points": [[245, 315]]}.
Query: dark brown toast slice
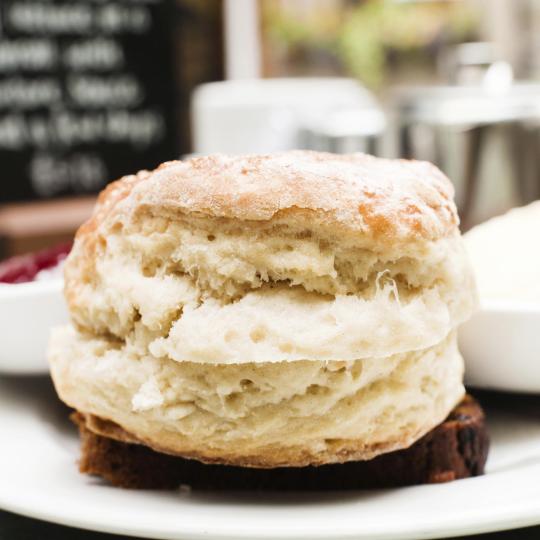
{"points": [[455, 449]]}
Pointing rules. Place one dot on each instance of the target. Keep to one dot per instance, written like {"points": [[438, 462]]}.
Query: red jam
{"points": [[24, 268]]}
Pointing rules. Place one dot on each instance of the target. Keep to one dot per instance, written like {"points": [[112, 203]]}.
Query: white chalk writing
{"points": [[73, 82], [27, 54], [76, 18], [29, 93], [93, 54], [50, 175], [40, 17], [109, 91], [67, 128]]}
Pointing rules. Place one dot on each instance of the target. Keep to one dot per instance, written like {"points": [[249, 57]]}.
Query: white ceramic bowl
{"points": [[27, 313], [501, 347]]}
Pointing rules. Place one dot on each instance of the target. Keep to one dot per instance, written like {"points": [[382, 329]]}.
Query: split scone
{"points": [[279, 310]]}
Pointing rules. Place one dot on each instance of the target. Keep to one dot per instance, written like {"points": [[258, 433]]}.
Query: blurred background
{"points": [[91, 90]]}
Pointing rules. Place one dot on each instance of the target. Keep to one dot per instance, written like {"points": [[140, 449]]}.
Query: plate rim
{"points": [[512, 522]]}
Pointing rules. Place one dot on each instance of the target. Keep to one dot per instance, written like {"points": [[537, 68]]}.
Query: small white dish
{"points": [[27, 313], [501, 347], [39, 476]]}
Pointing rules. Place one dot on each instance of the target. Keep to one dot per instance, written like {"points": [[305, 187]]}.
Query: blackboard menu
{"points": [[87, 93]]}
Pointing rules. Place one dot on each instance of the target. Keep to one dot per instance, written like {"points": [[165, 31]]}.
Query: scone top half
{"points": [[283, 259], [268, 258]]}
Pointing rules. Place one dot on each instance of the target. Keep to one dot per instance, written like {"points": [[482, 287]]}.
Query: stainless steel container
{"points": [[486, 138]]}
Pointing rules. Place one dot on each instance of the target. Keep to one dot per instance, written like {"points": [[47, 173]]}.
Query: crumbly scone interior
{"points": [[227, 412], [212, 290]]}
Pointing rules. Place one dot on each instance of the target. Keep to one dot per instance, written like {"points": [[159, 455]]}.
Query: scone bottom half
{"points": [[455, 449], [294, 311]]}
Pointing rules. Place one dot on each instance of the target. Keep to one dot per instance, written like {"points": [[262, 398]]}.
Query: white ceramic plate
{"points": [[27, 313], [39, 479], [501, 347]]}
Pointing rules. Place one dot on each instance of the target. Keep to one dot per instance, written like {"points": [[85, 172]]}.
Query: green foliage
{"points": [[361, 37]]}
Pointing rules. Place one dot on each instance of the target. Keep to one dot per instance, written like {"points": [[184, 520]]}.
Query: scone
{"points": [[265, 311]]}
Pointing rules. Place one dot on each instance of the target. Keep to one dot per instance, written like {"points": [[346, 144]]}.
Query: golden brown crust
{"points": [[355, 192], [335, 451]]}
